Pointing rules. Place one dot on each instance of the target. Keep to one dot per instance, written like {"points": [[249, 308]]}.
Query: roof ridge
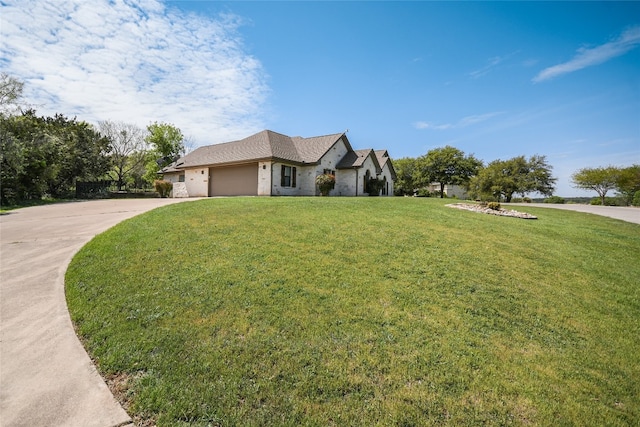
{"points": [[273, 131], [320, 136]]}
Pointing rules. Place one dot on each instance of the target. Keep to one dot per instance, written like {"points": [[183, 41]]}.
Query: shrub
{"points": [[636, 199], [494, 206], [554, 199], [325, 183], [374, 186], [163, 187], [608, 201]]}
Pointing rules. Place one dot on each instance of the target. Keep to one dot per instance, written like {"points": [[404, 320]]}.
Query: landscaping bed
{"points": [[487, 209]]}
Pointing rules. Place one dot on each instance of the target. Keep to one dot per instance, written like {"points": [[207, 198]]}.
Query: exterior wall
{"points": [[450, 190], [197, 181], [298, 190], [329, 161], [307, 180], [386, 173], [368, 165], [265, 178], [179, 190], [306, 175], [455, 190], [346, 183], [172, 176]]}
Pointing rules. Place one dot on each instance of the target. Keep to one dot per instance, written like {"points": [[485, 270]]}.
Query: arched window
{"points": [[365, 183]]}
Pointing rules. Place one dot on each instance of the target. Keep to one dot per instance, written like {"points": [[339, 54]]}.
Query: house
{"points": [[272, 164], [450, 190]]}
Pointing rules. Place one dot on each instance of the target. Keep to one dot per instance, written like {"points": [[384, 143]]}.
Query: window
{"points": [[288, 176], [365, 181], [329, 172], [181, 178]]}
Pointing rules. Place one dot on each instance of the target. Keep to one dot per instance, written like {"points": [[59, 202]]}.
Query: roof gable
{"points": [[312, 149], [385, 160], [355, 159]]}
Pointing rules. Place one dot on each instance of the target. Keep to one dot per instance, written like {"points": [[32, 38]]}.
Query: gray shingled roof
{"points": [[265, 145], [355, 159], [383, 158]]}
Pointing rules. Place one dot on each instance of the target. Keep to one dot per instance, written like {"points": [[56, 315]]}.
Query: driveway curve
{"points": [[46, 377], [624, 213]]}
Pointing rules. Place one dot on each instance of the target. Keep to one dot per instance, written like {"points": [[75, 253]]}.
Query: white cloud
{"points": [[134, 61], [587, 57], [491, 64], [463, 122]]}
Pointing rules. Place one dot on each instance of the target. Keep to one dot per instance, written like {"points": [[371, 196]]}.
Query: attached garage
{"points": [[241, 180]]}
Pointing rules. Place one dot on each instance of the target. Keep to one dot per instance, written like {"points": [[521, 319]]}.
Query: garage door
{"points": [[234, 180]]}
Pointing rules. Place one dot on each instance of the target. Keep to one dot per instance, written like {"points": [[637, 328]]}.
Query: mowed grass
{"points": [[367, 311]]}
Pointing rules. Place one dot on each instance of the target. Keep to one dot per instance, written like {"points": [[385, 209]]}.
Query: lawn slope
{"points": [[368, 311]]}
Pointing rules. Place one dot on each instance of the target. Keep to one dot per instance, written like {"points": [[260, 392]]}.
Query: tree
{"points": [[405, 176], [503, 178], [46, 155], [167, 144], [128, 148], [600, 180], [448, 166], [10, 91], [538, 177], [628, 183]]}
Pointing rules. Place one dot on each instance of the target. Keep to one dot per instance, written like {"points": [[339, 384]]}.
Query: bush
{"points": [[636, 199], [163, 187], [374, 186], [494, 206], [608, 201], [554, 199]]}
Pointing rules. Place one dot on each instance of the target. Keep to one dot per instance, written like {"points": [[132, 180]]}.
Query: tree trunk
{"points": [[441, 190]]}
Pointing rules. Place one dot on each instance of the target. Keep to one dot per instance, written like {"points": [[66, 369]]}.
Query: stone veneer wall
{"points": [[180, 190]]}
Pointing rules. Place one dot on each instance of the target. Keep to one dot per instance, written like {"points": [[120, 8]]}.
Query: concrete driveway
{"points": [[46, 377], [629, 214]]}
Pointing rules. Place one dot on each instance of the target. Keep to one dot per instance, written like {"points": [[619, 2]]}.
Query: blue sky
{"points": [[496, 79]]}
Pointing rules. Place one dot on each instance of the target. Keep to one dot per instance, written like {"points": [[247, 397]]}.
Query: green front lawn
{"points": [[367, 311]]}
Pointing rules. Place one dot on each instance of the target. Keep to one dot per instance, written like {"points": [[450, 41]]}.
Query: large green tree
{"points": [[46, 155], [600, 179], [166, 146], [447, 166], [406, 175], [504, 178], [628, 182]]}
